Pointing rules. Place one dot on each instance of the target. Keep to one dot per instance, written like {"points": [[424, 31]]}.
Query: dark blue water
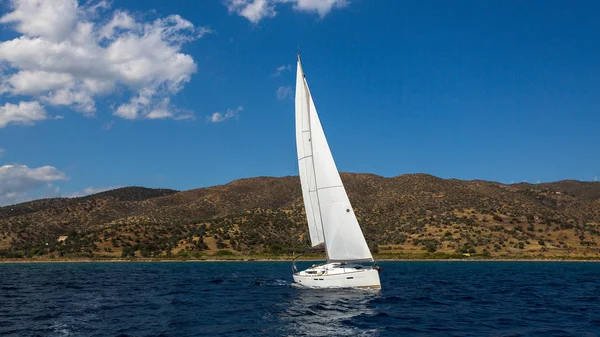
{"points": [[257, 299]]}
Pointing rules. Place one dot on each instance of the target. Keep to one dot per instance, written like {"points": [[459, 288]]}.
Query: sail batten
{"points": [[326, 187], [331, 219]]}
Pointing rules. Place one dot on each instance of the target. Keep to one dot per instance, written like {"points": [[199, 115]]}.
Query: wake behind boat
{"points": [[330, 217]]}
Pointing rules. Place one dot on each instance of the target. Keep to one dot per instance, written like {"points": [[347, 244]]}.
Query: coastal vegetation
{"points": [[414, 216]]}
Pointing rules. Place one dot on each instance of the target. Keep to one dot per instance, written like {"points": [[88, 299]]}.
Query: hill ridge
{"points": [[411, 213]]}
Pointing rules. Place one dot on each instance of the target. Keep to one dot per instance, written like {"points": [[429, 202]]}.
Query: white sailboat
{"points": [[331, 219]]}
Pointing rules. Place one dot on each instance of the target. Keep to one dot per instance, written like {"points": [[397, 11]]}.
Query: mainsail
{"points": [[330, 216]]}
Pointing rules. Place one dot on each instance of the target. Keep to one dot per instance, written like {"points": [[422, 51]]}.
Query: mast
{"points": [[322, 188], [312, 158]]}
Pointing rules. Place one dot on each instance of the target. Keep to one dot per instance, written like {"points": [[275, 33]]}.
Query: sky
{"points": [[187, 94]]}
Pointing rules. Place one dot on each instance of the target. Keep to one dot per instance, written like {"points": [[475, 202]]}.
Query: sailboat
{"points": [[330, 217]]}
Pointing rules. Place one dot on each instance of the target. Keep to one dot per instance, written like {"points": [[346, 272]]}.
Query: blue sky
{"points": [[498, 90]]}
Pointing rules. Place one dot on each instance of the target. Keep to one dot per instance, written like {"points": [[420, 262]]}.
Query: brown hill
{"points": [[409, 214]]}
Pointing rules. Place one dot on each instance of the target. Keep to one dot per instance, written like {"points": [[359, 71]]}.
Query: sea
{"points": [[418, 298]]}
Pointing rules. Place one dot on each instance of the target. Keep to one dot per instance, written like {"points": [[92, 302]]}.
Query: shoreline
{"points": [[26, 261]]}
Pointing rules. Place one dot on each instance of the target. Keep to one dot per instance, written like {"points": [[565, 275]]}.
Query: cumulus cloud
{"points": [[17, 180], [24, 113], [284, 92], [256, 10], [69, 55], [52, 19], [218, 117]]}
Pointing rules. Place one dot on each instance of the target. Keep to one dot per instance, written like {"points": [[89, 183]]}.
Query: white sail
{"points": [[305, 163], [324, 195]]}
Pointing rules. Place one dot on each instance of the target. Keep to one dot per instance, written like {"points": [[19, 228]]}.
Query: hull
{"points": [[339, 276]]}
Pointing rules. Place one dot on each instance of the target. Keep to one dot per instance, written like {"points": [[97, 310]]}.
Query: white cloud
{"points": [[256, 10], [120, 20], [17, 180], [284, 92], [92, 8], [2, 152], [94, 190], [218, 117], [24, 113], [67, 56], [321, 7], [91, 190], [36, 82], [281, 69], [50, 19], [253, 10]]}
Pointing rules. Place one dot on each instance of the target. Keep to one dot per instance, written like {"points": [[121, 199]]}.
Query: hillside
{"points": [[408, 215]]}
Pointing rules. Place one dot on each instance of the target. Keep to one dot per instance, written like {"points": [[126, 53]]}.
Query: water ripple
{"points": [[259, 299]]}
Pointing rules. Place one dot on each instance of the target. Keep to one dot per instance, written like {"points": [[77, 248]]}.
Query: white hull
{"points": [[336, 275]]}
